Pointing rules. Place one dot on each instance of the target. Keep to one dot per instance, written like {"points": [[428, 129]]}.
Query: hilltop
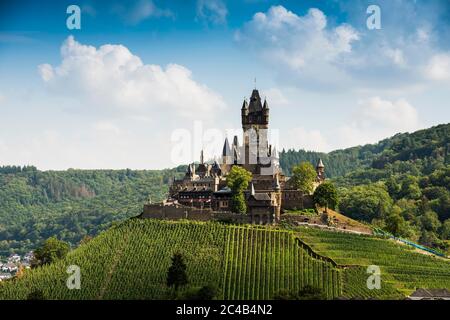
{"points": [[130, 261]]}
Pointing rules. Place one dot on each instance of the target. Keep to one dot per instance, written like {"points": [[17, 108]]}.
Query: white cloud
{"points": [[310, 52], [377, 119], [301, 45], [275, 97], [46, 71], [397, 56], [111, 77], [106, 127], [140, 11], [301, 138], [438, 67], [212, 11]]}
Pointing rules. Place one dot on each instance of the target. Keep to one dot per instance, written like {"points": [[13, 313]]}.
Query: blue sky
{"points": [[138, 74]]}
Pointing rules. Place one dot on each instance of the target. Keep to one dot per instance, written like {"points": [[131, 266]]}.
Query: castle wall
{"points": [[295, 200], [176, 212]]}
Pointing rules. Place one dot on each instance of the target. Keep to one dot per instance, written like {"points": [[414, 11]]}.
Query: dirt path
{"points": [[335, 229]]}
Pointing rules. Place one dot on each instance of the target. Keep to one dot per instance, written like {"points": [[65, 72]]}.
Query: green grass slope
{"points": [[130, 261]]}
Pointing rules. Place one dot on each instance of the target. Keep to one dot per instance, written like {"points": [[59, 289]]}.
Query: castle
{"points": [[204, 186]]}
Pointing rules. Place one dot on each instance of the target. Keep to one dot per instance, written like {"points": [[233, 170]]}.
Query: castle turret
{"points": [[227, 157], [320, 169], [244, 110], [266, 111]]}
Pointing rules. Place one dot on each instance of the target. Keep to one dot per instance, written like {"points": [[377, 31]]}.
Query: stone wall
{"points": [[177, 212], [294, 200]]}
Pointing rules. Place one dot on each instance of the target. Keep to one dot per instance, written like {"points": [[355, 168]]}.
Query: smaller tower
{"points": [[244, 111], [276, 200], [227, 157], [266, 111], [320, 169]]}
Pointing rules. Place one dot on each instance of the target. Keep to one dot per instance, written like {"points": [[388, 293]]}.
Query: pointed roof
{"points": [[255, 102], [201, 157], [274, 152], [252, 189], [235, 141], [244, 104], [226, 148], [266, 105], [320, 164]]}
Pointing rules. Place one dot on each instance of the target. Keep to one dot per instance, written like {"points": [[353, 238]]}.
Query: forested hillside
{"points": [[431, 144], [72, 204]]}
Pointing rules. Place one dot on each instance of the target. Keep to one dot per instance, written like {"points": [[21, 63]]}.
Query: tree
{"points": [[395, 223], [325, 195], [445, 230], [176, 275], [303, 177], [52, 250], [366, 202], [430, 221], [238, 180]]}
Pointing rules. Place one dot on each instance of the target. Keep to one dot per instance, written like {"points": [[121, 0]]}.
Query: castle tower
{"points": [[255, 123], [320, 169]]}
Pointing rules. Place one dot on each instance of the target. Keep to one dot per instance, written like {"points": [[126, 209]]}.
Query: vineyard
{"points": [[130, 261], [259, 263], [402, 269]]}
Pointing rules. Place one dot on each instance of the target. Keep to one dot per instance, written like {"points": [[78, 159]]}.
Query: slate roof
{"points": [[261, 197], [255, 102], [431, 293], [226, 151]]}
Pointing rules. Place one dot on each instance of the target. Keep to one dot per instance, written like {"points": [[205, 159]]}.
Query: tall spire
{"points": [[252, 189], [201, 157], [226, 151]]}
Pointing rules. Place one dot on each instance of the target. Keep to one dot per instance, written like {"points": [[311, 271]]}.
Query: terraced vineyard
{"points": [[260, 263], [402, 269], [130, 261]]}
